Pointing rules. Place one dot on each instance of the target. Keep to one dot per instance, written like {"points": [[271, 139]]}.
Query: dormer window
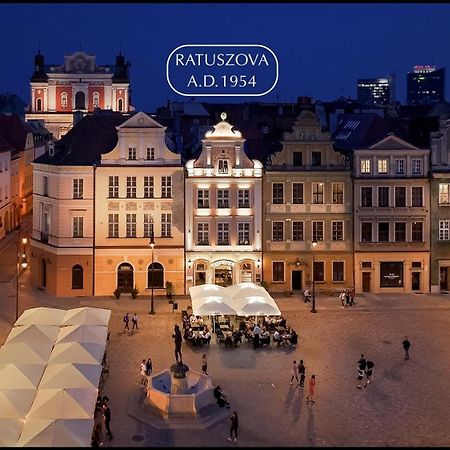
{"points": [[150, 153], [132, 153], [223, 166]]}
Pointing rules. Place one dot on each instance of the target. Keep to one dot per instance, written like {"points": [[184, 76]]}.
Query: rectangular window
{"points": [[131, 187], [132, 153], [297, 159], [166, 225], [338, 193], [383, 197], [223, 166], [391, 274], [365, 166], [113, 225], [113, 186], [77, 227], [317, 191], [416, 196], [400, 231], [338, 271], [202, 234], [244, 233], [131, 225], [297, 193], [416, 166], [416, 264], [366, 231], [244, 198], [316, 158], [223, 198], [337, 233], [366, 197], [298, 231], [78, 188], [317, 231], [400, 166], [278, 271], [277, 193], [319, 271], [150, 153], [223, 237], [277, 231], [444, 198], [383, 231], [149, 187], [400, 197], [382, 166], [444, 230], [417, 232], [148, 225], [203, 198], [166, 187], [45, 179]]}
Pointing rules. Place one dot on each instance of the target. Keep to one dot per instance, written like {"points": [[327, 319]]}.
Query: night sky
{"points": [[322, 48]]}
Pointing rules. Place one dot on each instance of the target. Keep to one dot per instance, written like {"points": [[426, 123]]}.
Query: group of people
{"points": [[365, 368], [146, 371], [126, 321], [347, 297], [198, 336], [101, 407]]}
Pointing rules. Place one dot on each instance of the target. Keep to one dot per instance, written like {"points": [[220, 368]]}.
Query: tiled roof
{"points": [[14, 130]]}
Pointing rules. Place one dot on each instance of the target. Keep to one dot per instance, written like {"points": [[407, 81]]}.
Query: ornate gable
{"points": [[393, 142], [140, 120]]}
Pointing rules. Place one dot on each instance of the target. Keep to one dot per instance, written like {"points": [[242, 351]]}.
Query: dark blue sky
{"points": [[322, 48]]}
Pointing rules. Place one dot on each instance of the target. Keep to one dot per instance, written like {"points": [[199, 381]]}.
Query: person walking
{"points": [[204, 364], [256, 333], [312, 390], [342, 298], [126, 319], [144, 373], [294, 372], [306, 295], [301, 371], [406, 344], [107, 418], [352, 297], [234, 426], [361, 369], [134, 321], [362, 360], [347, 298], [178, 339], [97, 436], [148, 367], [369, 372]]}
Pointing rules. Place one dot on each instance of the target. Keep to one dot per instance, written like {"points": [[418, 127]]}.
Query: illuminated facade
{"points": [[425, 85], [375, 91], [391, 217], [223, 211], [308, 196]]}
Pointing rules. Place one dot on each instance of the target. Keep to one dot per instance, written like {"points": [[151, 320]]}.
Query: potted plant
{"points": [[169, 291], [134, 292], [117, 293]]}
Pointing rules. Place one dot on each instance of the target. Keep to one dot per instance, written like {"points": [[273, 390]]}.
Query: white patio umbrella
{"points": [[246, 289], [56, 433], [63, 404], [206, 290], [71, 376], [10, 430], [255, 306], [15, 403], [94, 334], [33, 333], [77, 352], [41, 316], [20, 376], [25, 353], [87, 316], [212, 306]]}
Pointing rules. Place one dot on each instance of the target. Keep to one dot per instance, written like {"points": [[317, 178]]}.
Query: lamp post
{"points": [[20, 263], [313, 308], [152, 245]]}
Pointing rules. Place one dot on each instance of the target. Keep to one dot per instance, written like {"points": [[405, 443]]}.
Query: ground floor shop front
{"points": [[392, 272]]}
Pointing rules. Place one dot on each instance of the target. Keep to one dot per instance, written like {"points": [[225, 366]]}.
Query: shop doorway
{"points": [[125, 277], [415, 281], [444, 278], [200, 274], [366, 281], [223, 276], [296, 280], [43, 273]]}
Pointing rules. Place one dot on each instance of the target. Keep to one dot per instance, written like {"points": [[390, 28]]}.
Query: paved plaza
{"points": [[407, 405]]}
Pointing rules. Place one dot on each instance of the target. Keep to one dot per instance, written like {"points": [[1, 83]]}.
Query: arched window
{"points": [[95, 99], [120, 105], [63, 99], [158, 275], [77, 277], [80, 100], [39, 104]]}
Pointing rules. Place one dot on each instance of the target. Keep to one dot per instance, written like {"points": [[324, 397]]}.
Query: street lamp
{"points": [[20, 264], [152, 245], [313, 308]]}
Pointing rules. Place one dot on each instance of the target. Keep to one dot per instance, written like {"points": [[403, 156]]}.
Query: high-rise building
{"points": [[376, 91], [426, 85]]}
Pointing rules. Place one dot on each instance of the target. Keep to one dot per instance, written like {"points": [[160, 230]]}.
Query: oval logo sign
{"points": [[222, 70]]}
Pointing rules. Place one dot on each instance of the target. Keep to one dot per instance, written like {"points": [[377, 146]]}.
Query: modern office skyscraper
{"points": [[426, 85], [375, 91]]}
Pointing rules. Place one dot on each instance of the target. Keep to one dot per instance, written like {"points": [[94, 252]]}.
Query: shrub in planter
{"points": [[134, 292], [117, 293]]}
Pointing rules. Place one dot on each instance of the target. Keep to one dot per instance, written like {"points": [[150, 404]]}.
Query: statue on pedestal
{"points": [[179, 384]]}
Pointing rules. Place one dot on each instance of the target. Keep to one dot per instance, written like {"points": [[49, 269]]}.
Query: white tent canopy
{"points": [[33, 333], [212, 305], [71, 376], [10, 430], [246, 290], [75, 352], [94, 334], [56, 433], [87, 316], [207, 290], [25, 353], [41, 316], [20, 376], [255, 306], [15, 403], [63, 404]]}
